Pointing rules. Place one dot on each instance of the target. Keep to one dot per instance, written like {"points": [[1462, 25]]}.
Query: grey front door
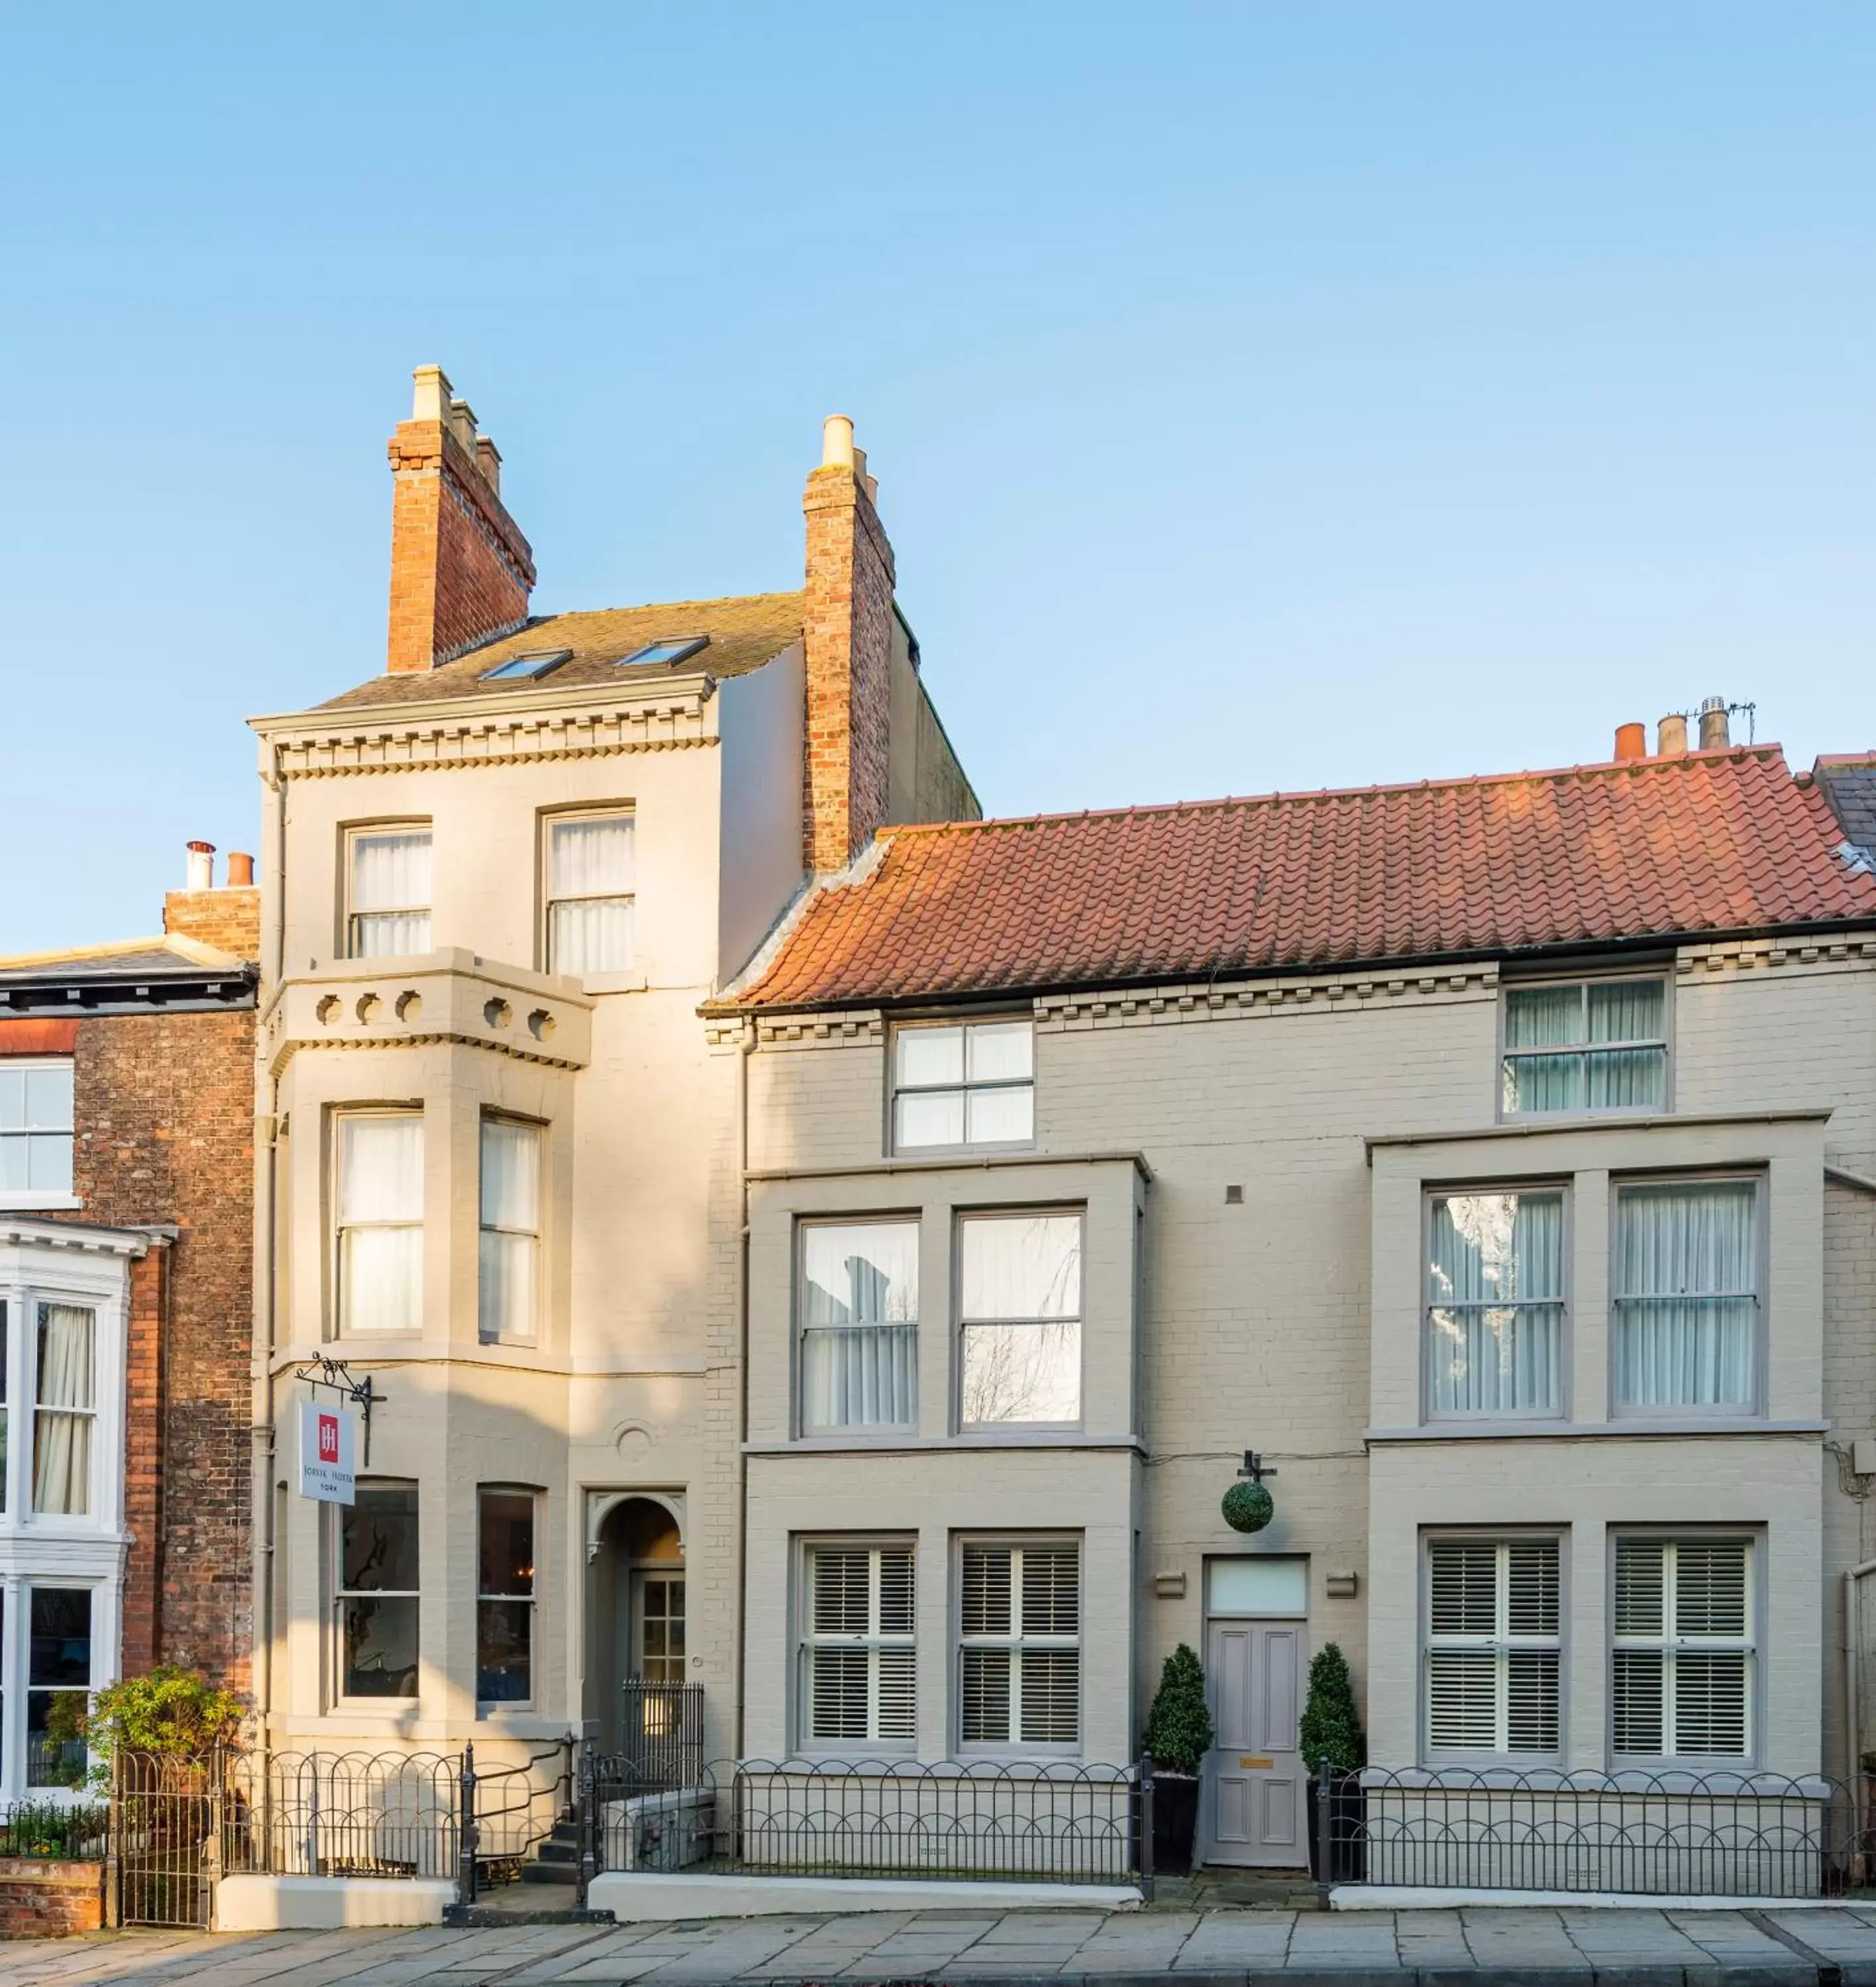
{"points": [[1254, 1776]]}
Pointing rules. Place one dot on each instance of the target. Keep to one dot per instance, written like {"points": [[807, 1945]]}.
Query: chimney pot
{"points": [[431, 400], [488, 460], [837, 442], [1714, 734], [240, 870], [1631, 741], [462, 425], [1671, 735], [201, 865]]}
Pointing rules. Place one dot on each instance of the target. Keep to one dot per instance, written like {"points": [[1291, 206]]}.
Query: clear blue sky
{"points": [[1262, 396]]}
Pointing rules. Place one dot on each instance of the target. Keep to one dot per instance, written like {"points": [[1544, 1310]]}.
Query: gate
{"points": [[166, 1822]]}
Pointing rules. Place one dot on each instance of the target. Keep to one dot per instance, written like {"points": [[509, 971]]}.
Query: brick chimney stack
{"points": [[460, 570], [847, 636]]}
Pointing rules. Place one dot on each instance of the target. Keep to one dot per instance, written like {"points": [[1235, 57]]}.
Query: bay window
{"points": [[859, 1311], [1494, 1318], [1020, 1651], [387, 909], [374, 1605], [1685, 1295], [1682, 1666], [1020, 1324], [1493, 1646], [589, 893], [859, 1664], [510, 1243], [57, 1686], [380, 1200], [64, 1409], [1585, 1045], [504, 1598]]}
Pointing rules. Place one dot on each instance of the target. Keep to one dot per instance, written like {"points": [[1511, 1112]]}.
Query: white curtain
{"points": [[1626, 1011], [1686, 1283], [1495, 1311], [1573, 1019], [61, 1441], [390, 894], [590, 883], [1021, 1266], [859, 1319], [381, 1214], [510, 1227]]}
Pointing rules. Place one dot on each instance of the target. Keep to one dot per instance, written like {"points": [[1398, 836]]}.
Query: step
{"points": [[558, 1852], [551, 1873]]}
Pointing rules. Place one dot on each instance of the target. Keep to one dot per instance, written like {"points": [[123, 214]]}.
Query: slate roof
{"points": [[744, 633], [1849, 782], [163, 952], [1707, 844]]}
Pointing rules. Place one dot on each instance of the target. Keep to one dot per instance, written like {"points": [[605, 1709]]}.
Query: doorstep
{"points": [[634, 1896]]}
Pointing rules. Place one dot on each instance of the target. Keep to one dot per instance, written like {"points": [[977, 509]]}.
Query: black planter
{"points": [[1175, 1821], [1347, 1844]]}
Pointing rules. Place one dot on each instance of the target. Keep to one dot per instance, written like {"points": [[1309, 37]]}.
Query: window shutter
{"points": [[860, 1596], [1640, 1587], [1709, 1589], [986, 1596], [839, 1706], [1636, 1722], [1462, 1581], [1051, 1696], [840, 1595], [984, 1685], [1051, 1589], [894, 1591], [1493, 1667], [1462, 1692], [1709, 1701], [1531, 1587], [1532, 1722]]}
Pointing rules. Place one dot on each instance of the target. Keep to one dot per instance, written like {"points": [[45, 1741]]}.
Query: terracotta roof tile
{"points": [[1711, 843]]}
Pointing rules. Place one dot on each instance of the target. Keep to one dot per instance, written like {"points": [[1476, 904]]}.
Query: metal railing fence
{"points": [[662, 1736], [55, 1830]]}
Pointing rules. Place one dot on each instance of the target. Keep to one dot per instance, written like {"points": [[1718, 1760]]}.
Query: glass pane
{"points": [[1543, 1083], [1051, 1696], [860, 1272], [381, 1279], [49, 1097], [1021, 1266], [511, 1174], [1260, 1586], [1000, 1052], [390, 872], [503, 1652], [56, 1753], [378, 1638], [395, 936], [505, 1290], [1486, 1359], [15, 1158], [1626, 1078], [65, 1360], [930, 1055], [13, 1098], [1001, 1116], [1542, 1018], [590, 935], [1683, 1352], [378, 1539], [1022, 1373], [60, 1652], [1698, 1238], [506, 1551], [48, 1161], [934, 1118], [1500, 1247], [1627, 1011], [984, 1678], [591, 859], [859, 1376], [381, 1169], [61, 1463]]}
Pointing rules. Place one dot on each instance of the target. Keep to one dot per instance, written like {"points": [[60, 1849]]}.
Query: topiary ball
{"points": [[1248, 1507]]}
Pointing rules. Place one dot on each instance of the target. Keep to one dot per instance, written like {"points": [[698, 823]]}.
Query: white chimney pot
{"points": [[837, 442]]}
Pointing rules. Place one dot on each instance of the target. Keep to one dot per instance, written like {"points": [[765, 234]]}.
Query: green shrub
{"points": [[1179, 1728], [173, 1713], [1331, 1727]]}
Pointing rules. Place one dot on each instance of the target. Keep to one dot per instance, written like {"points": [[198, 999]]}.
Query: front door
{"points": [[1254, 1777]]}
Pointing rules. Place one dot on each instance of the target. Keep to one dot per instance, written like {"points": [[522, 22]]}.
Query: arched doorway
{"points": [[637, 1621]]}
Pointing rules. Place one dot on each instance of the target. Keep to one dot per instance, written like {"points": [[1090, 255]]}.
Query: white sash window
{"points": [[589, 894], [1020, 1663], [1686, 1296], [859, 1313], [380, 1195], [859, 1664], [510, 1230], [1681, 1683], [1493, 1646], [388, 907], [1495, 1304]]}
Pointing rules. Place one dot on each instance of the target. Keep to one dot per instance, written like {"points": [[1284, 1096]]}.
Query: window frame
{"points": [[1014, 1432], [874, 1641], [350, 835], [24, 1200], [21, 1593], [1753, 1538], [1564, 1186], [1662, 974], [1015, 1747], [1753, 1408], [339, 1115], [1499, 1536], [532, 1334], [887, 1433], [487, 1707], [338, 1594], [614, 979], [913, 1025], [38, 1409]]}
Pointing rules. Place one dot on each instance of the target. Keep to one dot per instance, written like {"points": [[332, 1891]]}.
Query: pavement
{"points": [[1486, 1947]]}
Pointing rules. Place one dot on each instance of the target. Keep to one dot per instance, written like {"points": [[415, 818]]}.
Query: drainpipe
{"points": [[744, 1049], [1853, 1709]]}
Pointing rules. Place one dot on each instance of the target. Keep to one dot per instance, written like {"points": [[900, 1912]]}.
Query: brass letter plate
{"points": [[1248, 1763]]}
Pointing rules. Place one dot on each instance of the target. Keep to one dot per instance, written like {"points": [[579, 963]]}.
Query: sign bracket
{"points": [[335, 1377]]}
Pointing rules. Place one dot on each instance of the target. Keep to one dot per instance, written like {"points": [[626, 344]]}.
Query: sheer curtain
{"points": [[1543, 1017], [66, 1401], [1495, 1304], [859, 1325], [381, 1216], [510, 1227], [1627, 1011], [390, 894], [1686, 1294], [590, 884]]}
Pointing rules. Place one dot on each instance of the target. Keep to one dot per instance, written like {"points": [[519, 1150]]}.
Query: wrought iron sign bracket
{"points": [[1255, 1467], [334, 1376]]}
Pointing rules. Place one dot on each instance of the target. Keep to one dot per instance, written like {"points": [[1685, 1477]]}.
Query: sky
{"points": [[1262, 397]]}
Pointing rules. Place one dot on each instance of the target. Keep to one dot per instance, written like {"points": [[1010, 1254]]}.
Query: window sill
{"points": [[609, 983], [39, 1204], [902, 1444], [988, 1149], [1636, 1428]]}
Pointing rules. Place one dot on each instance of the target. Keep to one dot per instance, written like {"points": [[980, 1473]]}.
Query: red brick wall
{"points": [[460, 570], [142, 1487], [847, 633], [50, 1900], [229, 920]]}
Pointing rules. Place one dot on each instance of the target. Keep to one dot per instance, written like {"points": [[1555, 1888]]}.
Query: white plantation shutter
{"points": [[1493, 1653], [1020, 1669], [1682, 1674], [861, 1670]]}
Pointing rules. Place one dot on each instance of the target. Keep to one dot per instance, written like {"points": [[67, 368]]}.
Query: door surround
{"points": [[1257, 1617]]}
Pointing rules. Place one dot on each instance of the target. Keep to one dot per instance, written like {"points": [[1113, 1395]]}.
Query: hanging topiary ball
{"points": [[1248, 1507]]}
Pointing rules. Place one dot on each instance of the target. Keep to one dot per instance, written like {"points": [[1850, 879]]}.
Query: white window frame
{"points": [[877, 1641], [339, 1593], [529, 1332], [1662, 975], [365, 831], [1752, 1408], [1501, 1645], [1672, 1645], [25, 1198], [1016, 1430], [338, 1117], [498, 1707], [1517, 1188], [614, 978], [1017, 1641], [963, 1090]]}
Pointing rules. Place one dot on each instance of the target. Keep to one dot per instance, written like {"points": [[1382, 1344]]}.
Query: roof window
{"points": [[674, 649], [536, 664]]}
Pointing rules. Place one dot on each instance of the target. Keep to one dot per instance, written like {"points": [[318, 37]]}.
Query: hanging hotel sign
{"points": [[328, 1452]]}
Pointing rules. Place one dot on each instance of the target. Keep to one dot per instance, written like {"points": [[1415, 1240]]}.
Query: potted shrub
{"points": [[1331, 1731], [1178, 1735]]}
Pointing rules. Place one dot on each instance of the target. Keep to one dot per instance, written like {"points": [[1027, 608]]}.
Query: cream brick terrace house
{"points": [[1495, 1157], [500, 1172]]}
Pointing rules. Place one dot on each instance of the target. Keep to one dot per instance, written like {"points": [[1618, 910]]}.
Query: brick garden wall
{"points": [[50, 1900]]}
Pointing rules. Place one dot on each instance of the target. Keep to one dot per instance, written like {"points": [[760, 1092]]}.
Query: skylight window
{"points": [[537, 665], [674, 649]]}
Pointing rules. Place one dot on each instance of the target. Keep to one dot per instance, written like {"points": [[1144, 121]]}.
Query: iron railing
{"points": [[661, 1736], [167, 1819], [55, 1830], [1662, 1834], [1041, 1823]]}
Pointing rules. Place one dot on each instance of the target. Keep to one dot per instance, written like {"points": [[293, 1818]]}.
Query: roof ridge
{"points": [[1769, 753], [641, 607]]}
